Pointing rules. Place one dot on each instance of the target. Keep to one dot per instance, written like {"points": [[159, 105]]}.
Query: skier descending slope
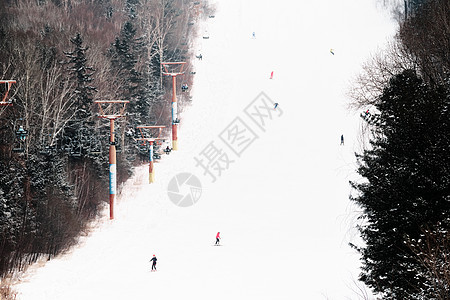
{"points": [[217, 239], [153, 260]]}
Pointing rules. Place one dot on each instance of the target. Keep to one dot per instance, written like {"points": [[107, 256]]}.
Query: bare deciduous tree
{"points": [[377, 72], [426, 37], [433, 253]]}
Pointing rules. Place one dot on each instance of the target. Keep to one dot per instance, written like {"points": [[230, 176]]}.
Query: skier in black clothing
{"points": [[154, 262], [342, 139]]}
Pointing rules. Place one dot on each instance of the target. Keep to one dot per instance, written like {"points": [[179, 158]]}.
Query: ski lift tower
{"points": [[8, 83], [169, 71], [115, 109], [151, 173]]}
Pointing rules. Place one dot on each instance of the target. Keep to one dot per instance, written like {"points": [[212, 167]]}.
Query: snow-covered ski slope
{"points": [[280, 200]]}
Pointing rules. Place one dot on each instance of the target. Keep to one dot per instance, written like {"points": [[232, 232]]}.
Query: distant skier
{"points": [[271, 75], [276, 105], [217, 239], [342, 139], [365, 114], [254, 35], [200, 57], [153, 260], [332, 51]]}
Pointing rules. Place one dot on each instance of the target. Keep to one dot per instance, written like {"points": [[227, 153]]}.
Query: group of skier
{"points": [[154, 259], [184, 88]]}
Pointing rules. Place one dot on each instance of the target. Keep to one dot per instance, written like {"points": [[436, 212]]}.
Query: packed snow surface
{"points": [[274, 182]]}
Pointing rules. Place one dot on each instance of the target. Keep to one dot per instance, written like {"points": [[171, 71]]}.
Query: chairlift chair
{"points": [[21, 135], [18, 149], [76, 149], [206, 35], [143, 148]]}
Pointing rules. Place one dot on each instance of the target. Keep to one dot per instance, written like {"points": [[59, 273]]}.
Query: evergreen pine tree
{"points": [[17, 220], [80, 131], [131, 7], [82, 73], [406, 185], [127, 55]]}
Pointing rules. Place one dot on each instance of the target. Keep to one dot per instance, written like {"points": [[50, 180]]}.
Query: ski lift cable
{"points": [[160, 114], [38, 114], [51, 118], [2, 109]]}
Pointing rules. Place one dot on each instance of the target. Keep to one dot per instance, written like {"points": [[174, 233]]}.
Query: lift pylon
{"points": [[114, 109], [8, 83], [150, 141], [169, 71]]}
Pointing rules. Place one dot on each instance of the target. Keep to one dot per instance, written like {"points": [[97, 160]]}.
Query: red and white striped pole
{"points": [[112, 147], [174, 114], [112, 170], [174, 75], [151, 174], [151, 170], [4, 101]]}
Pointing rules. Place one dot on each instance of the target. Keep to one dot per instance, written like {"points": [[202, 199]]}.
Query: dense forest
{"points": [[64, 55], [404, 193]]}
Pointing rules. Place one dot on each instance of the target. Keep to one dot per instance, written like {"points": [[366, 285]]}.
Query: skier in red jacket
{"points": [[217, 238]]}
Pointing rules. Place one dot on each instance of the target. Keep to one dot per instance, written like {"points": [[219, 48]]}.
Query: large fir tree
{"points": [[406, 185], [82, 73], [127, 56]]}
